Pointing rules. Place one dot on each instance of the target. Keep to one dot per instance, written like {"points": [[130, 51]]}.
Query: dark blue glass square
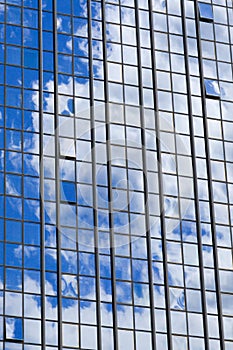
{"points": [[13, 97], [13, 118], [13, 15], [13, 279], [31, 210], [31, 187], [31, 76], [14, 185], [13, 55], [30, 38], [31, 233], [14, 208], [13, 35], [30, 18], [31, 3], [13, 255], [13, 231], [205, 12], [13, 76], [14, 162], [31, 58], [68, 191], [212, 88]]}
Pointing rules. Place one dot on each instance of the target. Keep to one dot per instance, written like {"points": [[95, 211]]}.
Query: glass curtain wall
{"points": [[116, 174]]}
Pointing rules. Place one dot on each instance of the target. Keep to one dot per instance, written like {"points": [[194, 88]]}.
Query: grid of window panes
{"points": [[116, 233]]}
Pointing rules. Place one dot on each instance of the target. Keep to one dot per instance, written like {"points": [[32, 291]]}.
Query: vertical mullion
{"points": [[195, 182], [42, 219], [57, 175], [224, 152], [4, 198], [145, 184], [94, 182], [109, 175], [209, 173], [160, 180]]}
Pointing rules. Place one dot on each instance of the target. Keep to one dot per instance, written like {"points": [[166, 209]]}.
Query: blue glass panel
{"points": [[87, 287], [32, 257], [13, 231], [1, 53], [2, 74], [31, 187], [81, 47], [1, 138], [31, 122], [124, 292], [16, 2], [50, 236], [13, 185], [32, 210], [32, 3], [85, 217], [68, 191], [69, 285], [47, 5], [50, 259], [205, 11], [65, 64], [2, 118], [64, 43], [14, 162], [31, 164], [48, 60], [13, 140], [1, 230], [31, 233], [13, 55], [122, 268], [13, 97], [64, 6], [64, 24], [13, 118], [69, 262], [79, 8], [80, 27], [1, 205], [31, 77], [2, 13], [212, 88], [30, 18], [47, 21], [14, 208], [1, 95], [13, 15], [13, 35], [31, 142], [13, 255], [87, 264], [31, 99], [14, 328], [31, 58], [2, 250], [14, 279], [13, 76], [140, 271], [81, 67], [2, 32], [30, 38]]}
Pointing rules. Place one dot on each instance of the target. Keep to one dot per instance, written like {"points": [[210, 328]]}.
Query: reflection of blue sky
{"points": [[70, 260]]}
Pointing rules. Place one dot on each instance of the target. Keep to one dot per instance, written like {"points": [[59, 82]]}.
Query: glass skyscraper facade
{"points": [[116, 174]]}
